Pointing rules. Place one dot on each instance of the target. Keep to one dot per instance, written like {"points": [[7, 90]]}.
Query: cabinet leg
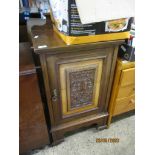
{"points": [[57, 138], [101, 126]]}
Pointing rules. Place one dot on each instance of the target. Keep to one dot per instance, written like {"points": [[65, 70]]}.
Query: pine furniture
{"points": [[123, 90]]}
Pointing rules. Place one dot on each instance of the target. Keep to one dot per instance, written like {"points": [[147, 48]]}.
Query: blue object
{"points": [[25, 3], [26, 15]]}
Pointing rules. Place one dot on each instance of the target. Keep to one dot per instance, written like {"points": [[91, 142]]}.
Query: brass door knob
{"points": [[54, 95]]}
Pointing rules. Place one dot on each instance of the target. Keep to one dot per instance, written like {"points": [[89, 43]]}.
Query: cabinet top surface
{"points": [[125, 64], [44, 39]]}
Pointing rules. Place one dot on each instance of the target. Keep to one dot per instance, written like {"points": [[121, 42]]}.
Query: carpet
{"points": [[84, 142]]}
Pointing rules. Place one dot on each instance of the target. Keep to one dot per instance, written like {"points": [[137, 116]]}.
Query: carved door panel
{"points": [[78, 83]]}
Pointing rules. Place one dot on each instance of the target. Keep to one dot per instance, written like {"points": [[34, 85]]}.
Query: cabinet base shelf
{"points": [[100, 120]]}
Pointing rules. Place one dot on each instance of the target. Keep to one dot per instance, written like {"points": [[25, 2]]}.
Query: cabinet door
{"points": [[78, 83]]}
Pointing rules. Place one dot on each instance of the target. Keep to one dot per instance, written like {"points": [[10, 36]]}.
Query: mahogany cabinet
{"points": [[77, 80], [33, 132]]}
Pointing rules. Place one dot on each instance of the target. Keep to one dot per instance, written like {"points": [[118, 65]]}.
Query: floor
{"points": [[84, 142]]}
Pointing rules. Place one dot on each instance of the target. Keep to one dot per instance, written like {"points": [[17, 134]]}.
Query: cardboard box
{"points": [[92, 11], [65, 16]]}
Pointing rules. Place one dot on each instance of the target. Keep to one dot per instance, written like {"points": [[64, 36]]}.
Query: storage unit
{"points": [[123, 91], [33, 132], [77, 80]]}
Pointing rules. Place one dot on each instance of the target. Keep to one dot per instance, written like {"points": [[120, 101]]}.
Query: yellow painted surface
{"points": [[69, 40]]}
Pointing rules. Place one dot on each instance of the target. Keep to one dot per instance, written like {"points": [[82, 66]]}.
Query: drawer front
{"points": [[78, 83], [126, 91], [124, 105], [127, 77]]}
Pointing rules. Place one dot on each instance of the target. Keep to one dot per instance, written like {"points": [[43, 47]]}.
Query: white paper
{"points": [[91, 11]]}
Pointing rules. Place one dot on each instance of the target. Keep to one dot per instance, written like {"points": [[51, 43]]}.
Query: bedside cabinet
{"points": [[123, 90], [77, 80]]}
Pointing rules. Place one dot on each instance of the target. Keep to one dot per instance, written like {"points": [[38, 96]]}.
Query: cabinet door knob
{"points": [[54, 95]]}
